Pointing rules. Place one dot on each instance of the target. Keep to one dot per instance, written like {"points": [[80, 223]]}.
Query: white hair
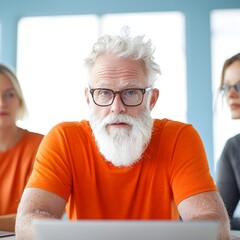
{"points": [[126, 46]]}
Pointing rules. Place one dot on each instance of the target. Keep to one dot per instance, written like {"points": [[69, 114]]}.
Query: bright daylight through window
{"points": [[51, 51]]}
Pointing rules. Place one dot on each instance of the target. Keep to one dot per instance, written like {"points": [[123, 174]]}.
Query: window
{"points": [[170, 54], [51, 51]]}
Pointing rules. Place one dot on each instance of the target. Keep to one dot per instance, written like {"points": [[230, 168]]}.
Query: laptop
{"points": [[128, 229], [6, 234]]}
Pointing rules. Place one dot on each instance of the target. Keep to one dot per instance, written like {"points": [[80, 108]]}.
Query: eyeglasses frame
{"points": [[235, 86], [143, 90]]}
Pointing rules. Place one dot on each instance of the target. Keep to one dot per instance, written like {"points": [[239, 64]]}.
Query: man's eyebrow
{"points": [[133, 85]]}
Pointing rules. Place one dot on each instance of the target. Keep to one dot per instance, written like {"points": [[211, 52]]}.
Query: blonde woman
{"points": [[18, 147]]}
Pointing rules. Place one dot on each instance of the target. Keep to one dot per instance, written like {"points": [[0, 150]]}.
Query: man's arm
{"points": [[206, 206], [36, 203]]}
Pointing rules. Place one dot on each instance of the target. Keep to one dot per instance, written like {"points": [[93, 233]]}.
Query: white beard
{"points": [[122, 146]]}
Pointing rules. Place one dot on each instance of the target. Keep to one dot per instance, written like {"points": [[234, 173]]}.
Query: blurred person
{"points": [[121, 164], [18, 147], [228, 167]]}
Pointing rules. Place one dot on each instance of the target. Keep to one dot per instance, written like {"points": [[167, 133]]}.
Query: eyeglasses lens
{"points": [[226, 88]]}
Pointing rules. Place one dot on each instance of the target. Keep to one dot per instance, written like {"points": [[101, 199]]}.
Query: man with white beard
{"points": [[119, 145], [122, 164]]}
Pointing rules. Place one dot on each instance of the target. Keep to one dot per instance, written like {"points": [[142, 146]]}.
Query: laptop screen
{"points": [[119, 230]]}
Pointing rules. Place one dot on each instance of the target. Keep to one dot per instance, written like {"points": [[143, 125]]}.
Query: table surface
{"points": [[235, 236]]}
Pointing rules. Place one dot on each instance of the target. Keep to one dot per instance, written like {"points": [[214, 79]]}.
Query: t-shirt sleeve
{"points": [[51, 170], [189, 169]]}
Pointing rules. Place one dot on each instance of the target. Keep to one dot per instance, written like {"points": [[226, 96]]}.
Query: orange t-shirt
{"points": [[15, 168], [173, 167]]}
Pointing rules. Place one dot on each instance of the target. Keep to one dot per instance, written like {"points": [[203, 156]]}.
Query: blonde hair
{"points": [[5, 70]]}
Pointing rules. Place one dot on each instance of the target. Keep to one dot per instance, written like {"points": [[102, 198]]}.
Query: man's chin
{"points": [[117, 127], [119, 148], [122, 138], [119, 133]]}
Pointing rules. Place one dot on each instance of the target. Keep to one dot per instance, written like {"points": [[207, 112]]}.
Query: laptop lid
{"points": [[6, 234], [119, 230]]}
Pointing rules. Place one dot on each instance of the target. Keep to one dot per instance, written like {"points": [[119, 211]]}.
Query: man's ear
{"points": [[154, 98], [87, 95]]}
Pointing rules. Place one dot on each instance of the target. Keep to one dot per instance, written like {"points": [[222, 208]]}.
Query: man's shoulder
{"points": [[71, 130], [169, 124], [73, 125], [167, 130]]}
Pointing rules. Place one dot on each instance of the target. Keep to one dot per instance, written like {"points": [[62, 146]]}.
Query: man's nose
{"points": [[117, 105]]}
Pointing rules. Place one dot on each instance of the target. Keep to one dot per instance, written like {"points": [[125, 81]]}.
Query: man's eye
{"points": [[105, 93], [130, 92]]}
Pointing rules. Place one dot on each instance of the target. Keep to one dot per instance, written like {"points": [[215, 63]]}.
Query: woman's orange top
{"points": [[15, 168]]}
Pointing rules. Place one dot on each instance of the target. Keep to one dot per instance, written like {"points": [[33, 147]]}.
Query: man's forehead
{"points": [[110, 58], [115, 64]]}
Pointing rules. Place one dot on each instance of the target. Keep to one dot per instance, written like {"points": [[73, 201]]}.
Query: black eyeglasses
{"points": [[131, 97], [226, 88]]}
